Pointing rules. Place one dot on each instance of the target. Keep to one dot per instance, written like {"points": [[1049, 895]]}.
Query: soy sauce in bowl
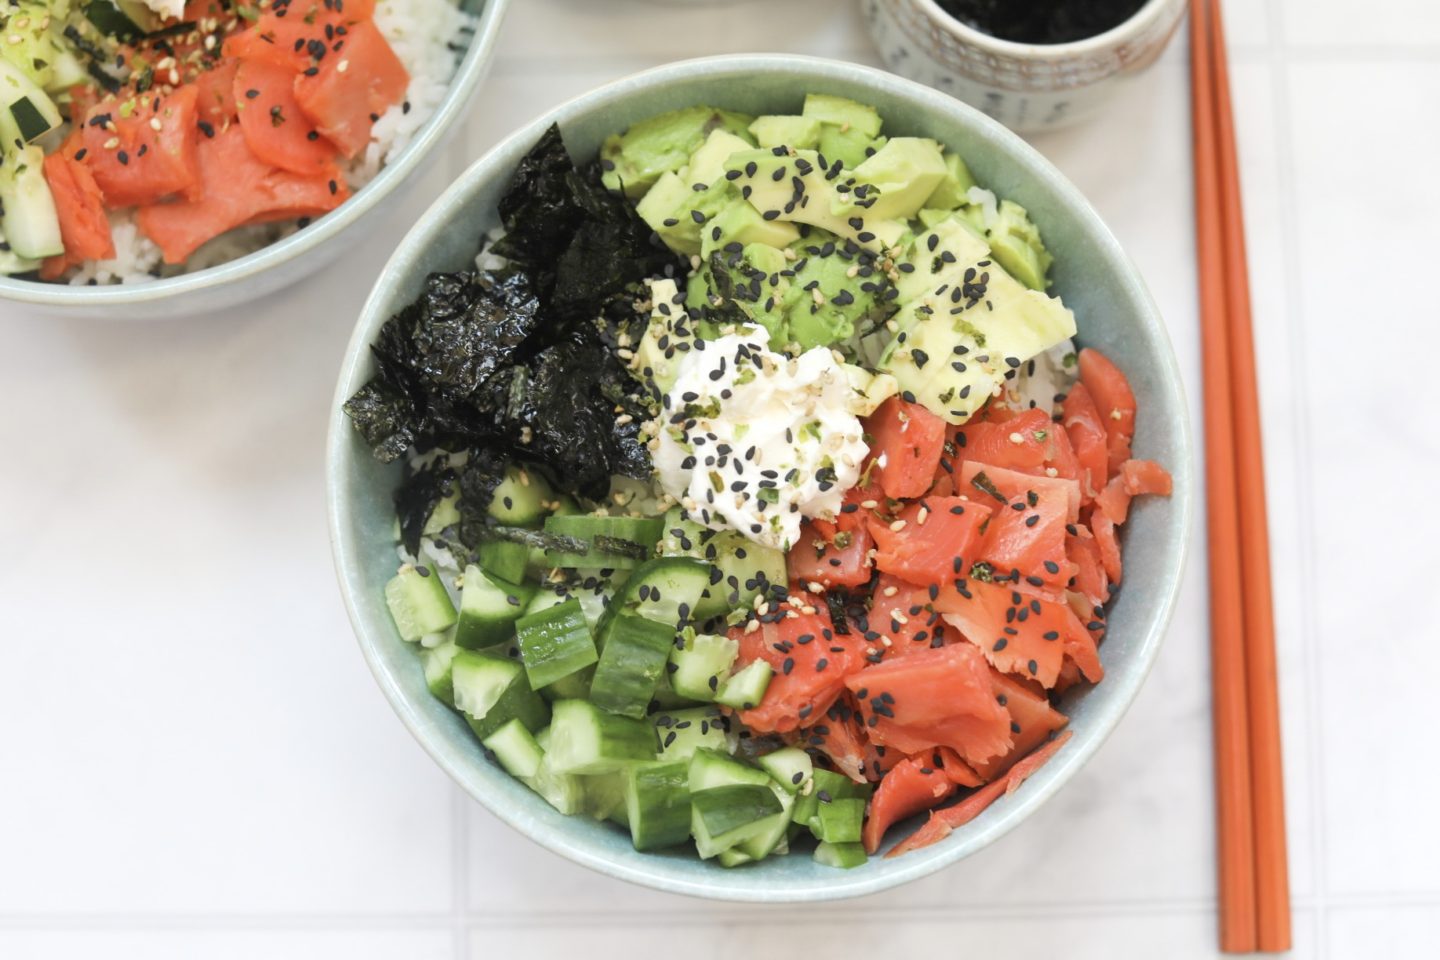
{"points": [[1042, 21]]}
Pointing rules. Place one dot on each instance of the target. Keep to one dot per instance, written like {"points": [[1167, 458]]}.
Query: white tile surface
{"points": [[194, 763]]}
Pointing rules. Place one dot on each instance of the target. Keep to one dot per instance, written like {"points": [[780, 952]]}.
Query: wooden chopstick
{"points": [[1253, 874], [1227, 651], [1272, 884]]}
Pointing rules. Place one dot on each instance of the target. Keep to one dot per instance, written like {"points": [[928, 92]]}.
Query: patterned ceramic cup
{"points": [[1028, 87]]}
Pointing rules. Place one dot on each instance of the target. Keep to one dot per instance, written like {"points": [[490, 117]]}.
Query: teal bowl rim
{"points": [[342, 456], [467, 79]]}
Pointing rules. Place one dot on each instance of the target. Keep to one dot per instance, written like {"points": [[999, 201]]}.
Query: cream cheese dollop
{"points": [[754, 440]]}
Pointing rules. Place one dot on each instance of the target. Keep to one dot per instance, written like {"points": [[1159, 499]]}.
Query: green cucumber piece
{"points": [[605, 796], [682, 732], [725, 817], [520, 498], [630, 666], [515, 747], [733, 857], [489, 609], [769, 834], [575, 686], [746, 688], [503, 559], [845, 856], [724, 810], [436, 662], [419, 603], [563, 791], [657, 804], [666, 590], [586, 739], [491, 691], [839, 821], [634, 537], [837, 786], [711, 768], [30, 223], [446, 514], [790, 767], [701, 665], [554, 643], [666, 698]]}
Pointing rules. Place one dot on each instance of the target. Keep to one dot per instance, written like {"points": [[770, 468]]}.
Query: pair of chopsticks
{"points": [[1253, 875]]}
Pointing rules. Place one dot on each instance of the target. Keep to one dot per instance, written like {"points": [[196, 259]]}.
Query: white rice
{"points": [[429, 36]]}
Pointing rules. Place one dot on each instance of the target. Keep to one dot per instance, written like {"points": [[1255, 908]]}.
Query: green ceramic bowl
{"points": [[292, 258], [1091, 272]]}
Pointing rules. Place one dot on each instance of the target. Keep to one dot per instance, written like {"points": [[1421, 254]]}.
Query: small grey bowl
{"points": [[1095, 277], [296, 256]]}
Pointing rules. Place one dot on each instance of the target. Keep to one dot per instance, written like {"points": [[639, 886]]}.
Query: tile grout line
{"points": [[1304, 500]]}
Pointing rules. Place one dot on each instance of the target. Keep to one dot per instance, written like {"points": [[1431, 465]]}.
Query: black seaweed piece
{"points": [[522, 365], [417, 496]]}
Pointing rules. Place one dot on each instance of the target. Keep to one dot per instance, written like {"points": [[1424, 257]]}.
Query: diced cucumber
{"points": [[739, 571], [807, 805], [489, 609], [544, 599], [30, 223], [436, 661], [724, 817], [747, 686], [504, 559], [839, 821], [563, 791], [515, 747], [445, 514], [682, 732], [657, 804], [702, 664], [711, 768], [605, 796], [733, 857], [491, 691], [554, 643], [666, 698], [842, 855], [520, 498], [769, 834], [666, 590], [635, 654], [419, 603], [586, 739], [11, 262], [837, 786], [575, 686], [790, 767], [123, 20], [614, 542], [28, 49]]}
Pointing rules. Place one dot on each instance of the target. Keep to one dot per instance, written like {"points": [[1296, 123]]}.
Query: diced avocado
{"points": [[661, 208], [667, 321], [707, 163], [869, 389], [839, 112], [802, 133], [897, 180], [1016, 244], [635, 160], [938, 258], [950, 194], [953, 362], [772, 189], [824, 303], [739, 222], [849, 148], [749, 279]]}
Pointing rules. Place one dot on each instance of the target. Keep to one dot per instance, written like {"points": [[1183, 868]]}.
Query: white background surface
{"points": [[194, 761]]}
